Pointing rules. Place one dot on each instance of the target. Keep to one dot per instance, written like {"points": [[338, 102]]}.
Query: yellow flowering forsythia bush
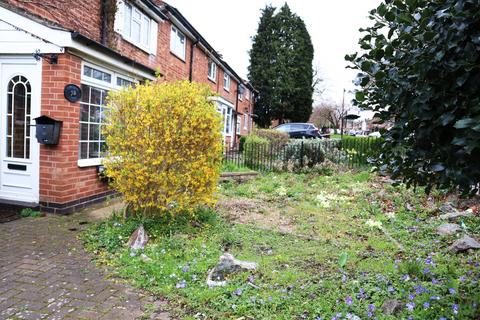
{"points": [[164, 142]]}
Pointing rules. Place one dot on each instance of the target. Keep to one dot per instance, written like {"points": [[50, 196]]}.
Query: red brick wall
{"points": [[61, 180], [82, 16]]}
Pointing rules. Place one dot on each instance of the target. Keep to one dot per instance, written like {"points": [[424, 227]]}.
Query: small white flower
{"points": [[282, 191], [374, 224], [390, 215]]}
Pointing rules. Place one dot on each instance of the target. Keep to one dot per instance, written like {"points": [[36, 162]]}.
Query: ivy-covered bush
{"points": [[255, 150], [241, 143], [302, 153], [164, 145], [420, 67], [277, 138]]}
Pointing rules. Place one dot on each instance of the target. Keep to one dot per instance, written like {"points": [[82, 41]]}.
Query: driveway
{"points": [[46, 274]]}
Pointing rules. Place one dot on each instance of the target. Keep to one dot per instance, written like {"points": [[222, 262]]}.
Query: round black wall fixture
{"points": [[72, 93]]}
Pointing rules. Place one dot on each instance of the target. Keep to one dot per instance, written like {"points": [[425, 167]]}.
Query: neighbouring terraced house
{"points": [[59, 59]]}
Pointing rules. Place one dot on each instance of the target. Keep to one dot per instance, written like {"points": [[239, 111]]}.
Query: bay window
{"points": [[96, 82]]}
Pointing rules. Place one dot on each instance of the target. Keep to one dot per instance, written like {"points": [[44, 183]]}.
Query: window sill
{"points": [[177, 56], [228, 90], [84, 163], [137, 45], [212, 80]]}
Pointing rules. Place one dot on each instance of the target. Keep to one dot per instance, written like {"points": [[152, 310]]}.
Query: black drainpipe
{"points": [[194, 45], [104, 23], [236, 115]]}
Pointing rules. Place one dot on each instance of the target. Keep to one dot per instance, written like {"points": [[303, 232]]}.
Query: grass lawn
{"points": [[232, 166], [328, 247]]}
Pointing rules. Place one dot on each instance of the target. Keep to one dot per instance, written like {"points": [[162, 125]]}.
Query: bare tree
{"points": [[328, 114]]}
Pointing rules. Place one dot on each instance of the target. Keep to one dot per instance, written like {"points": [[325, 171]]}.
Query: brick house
{"points": [[96, 46]]}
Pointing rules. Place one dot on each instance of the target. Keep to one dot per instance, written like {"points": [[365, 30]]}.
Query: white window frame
{"points": [[238, 126], [245, 121], [103, 85], [241, 92], [247, 93], [225, 108], [212, 75], [147, 34], [226, 81], [177, 46]]}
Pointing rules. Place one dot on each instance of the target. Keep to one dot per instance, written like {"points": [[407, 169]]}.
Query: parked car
{"points": [[375, 134], [300, 130]]}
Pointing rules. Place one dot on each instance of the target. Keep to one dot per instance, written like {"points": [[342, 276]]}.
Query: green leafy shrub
{"points": [[299, 154], [241, 143], [29, 212], [361, 150], [254, 150], [277, 138], [419, 67]]}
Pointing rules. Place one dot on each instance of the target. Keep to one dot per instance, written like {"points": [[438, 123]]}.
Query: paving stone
{"points": [[46, 274]]}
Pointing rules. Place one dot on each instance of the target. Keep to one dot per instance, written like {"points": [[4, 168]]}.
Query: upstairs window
{"points": [[136, 27], [241, 92], [212, 70], [247, 94], [177, 43], [226, 81]]}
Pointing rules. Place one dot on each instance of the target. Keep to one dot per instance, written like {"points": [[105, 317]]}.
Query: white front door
{"points": [[20, 83]]}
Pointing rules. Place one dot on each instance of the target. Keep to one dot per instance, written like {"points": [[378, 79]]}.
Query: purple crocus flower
{"points": [[185, 269], [405, 277], [371, 307], [426, 305], [337, 316], [462, 278], [410, 306], [361, 295], [411, 296], [426, 271], [452, 290], [349, 300], [390, 289], [237, 292], [455, 308], [182, 284], [434, 298], [420, 289]]}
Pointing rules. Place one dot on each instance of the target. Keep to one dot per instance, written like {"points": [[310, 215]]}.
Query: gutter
{"points": [[151, 6]]}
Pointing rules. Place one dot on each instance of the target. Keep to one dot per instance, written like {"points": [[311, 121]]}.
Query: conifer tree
{"points": [[281, 67]]}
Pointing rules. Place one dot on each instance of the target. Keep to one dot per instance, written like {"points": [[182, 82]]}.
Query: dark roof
{"points": [[152, 6]]}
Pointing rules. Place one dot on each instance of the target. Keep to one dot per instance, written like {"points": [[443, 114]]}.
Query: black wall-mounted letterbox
{"points": [[47, 130]]}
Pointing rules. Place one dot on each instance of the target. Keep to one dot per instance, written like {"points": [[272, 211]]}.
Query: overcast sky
{"points": [[333, 26]]}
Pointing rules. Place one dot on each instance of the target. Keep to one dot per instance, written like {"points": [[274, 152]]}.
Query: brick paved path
{"points": [[45, 274]]}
